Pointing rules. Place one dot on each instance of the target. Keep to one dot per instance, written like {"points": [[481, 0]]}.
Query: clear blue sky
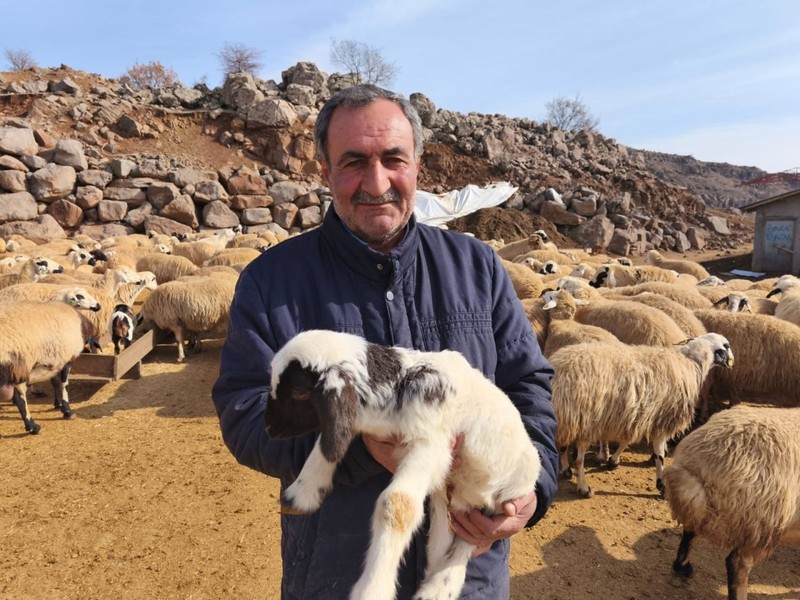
{"points": [[718, 80]]}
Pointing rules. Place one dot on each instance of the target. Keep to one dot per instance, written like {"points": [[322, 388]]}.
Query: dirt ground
{"points": [[137, 497]]}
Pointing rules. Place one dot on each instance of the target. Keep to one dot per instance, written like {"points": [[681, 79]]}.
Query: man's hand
{"points": [[482, 531]]}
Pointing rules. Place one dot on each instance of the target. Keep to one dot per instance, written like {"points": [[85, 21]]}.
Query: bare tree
{"points": [[364, 62], [151, 75], [20, 59], [570, 114], [238, 58]]}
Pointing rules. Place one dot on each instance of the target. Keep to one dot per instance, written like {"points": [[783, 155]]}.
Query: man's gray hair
{"points": [[358, 96]]}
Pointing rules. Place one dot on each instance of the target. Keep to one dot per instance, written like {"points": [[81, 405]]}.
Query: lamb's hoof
{"points": [[587, 493], [683, 569], [33, 428], [611, 465], [662, 490], [567, 473], [69, 414]]}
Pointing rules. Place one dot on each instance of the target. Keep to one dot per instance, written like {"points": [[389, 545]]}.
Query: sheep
{"points": [[165, 266], [735, 482], [513, 249], [563, 330], [788, 308], [426, 398], [544, 254], [711, 281], [32, 270], [690, 297], [621, 275], [202, 250], [233, 256], [611, 392], [768, 350], [39, 341], [527, 284], [123, 322], [684, 318], [739, 302], [689, 267], [189, 308], [41, 292]]}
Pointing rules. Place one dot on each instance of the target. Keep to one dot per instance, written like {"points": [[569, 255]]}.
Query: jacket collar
{"points": [[357, 255]]}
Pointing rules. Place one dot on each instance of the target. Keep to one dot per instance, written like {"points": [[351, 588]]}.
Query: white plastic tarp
{"points": [[438, 209]]}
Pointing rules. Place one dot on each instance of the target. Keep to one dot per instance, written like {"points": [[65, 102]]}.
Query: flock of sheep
{"points": [[650, 352], [640, 352]]}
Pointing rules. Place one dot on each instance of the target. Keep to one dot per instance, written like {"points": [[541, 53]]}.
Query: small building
{"points": [[776, 238]]}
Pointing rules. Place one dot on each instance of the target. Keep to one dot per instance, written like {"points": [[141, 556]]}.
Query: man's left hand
{"points": [[482, 531]]}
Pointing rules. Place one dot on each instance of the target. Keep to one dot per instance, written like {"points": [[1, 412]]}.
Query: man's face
{"points": [[373, 171]]}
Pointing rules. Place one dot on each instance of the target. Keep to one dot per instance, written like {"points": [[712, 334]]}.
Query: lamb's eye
{"points": [[301, 395]]}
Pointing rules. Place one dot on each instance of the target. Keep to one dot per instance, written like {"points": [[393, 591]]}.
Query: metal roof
{"points": [[760, 203]]}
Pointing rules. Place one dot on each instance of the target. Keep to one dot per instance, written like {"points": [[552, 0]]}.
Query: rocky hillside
{"points": [[83, 153]]}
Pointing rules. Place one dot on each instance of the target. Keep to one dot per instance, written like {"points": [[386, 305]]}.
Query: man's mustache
{"points": [[362, 197]]}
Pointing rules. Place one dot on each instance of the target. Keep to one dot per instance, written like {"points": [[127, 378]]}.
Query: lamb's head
{"points": [[550, 267], [711, 281], [561, 303], [735, 302], [653, 257], [46, 265], [714, 343], [542, 234], [315, 382]]}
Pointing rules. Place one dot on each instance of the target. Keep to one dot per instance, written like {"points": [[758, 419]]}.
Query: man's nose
{"points": [[376, 179]]}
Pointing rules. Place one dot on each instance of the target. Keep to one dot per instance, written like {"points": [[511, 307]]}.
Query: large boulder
{"points": [[18, 206], [17, 141], [70, 153], [42, 230], [52, 182]]}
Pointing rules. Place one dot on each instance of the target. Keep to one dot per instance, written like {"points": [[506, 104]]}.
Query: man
{"points": [[372, 270]]}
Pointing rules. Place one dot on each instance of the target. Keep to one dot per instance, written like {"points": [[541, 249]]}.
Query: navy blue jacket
{"points": [[436, 290]]}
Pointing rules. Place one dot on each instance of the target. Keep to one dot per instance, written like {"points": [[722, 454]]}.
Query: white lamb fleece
{"points": [[427, 399]]}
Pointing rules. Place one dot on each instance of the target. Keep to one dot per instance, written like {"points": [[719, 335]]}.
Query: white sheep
{"points": [[684, 318], [39, 341], [165, 266], [621, 275], [562, 330], [612, 392], [689, 267], [690, 297], [511, 250], [426, 398], [741, 302], [190, 307], [527, 284], [735, 482]]}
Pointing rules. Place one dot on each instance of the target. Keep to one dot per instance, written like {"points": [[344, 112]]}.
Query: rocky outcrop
{"points": [[594, 189]]}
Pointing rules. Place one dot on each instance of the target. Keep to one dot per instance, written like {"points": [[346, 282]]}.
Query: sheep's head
{"points": [[80, 299], [735, 302], [313, 387], [784, 284], [718, 345], [602, 277]]}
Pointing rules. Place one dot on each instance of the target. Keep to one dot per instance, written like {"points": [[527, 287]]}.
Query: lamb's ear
{"points": [[722, 300], [336, 401], [423, 384]]}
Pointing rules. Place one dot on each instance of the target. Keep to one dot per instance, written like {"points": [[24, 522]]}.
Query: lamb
{"points": [[39, 341], [189, 308], [123, 322], [654, 257], [620, 275], [425, 397], [768, 350], [735, 482], [616, 393]]}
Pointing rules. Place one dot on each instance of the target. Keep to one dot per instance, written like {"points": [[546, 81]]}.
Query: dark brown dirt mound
{"points": [[507, 224]]}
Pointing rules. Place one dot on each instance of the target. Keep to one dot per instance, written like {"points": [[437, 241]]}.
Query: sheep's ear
{"points": [[336, 402], [423, 384], [683, 342], [722, 300], [545, 290]]}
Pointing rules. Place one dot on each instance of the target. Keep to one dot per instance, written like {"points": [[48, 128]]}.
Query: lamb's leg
{"points": [[315, 480], [178, 331], [660, 451], [566, 471], [59, 383], [398, 513], [21, 400], [447, 556], [580, 466], [682, 566], [738, 568], [603, 452]]}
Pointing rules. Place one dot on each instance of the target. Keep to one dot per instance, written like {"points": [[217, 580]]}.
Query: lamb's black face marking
{"points": [[383, 365], [599, 279], [290, 411]]}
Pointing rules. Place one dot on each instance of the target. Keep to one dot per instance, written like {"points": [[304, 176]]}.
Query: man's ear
{"points": [[325, 171]]}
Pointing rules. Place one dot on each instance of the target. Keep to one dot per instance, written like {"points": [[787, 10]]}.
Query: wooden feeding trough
{"points": [[115, 366]]}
